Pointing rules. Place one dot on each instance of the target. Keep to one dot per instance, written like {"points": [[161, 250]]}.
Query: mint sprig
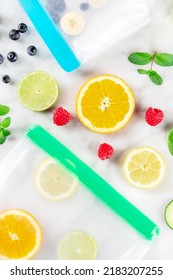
{"points": [[4, 124], [164, 59], [140, 58], [4, 110], [143, 58], [155, 77], [142, 71]]}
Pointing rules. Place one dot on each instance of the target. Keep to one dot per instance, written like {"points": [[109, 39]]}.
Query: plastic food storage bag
{"points": [[77, 30], [119, 229]]}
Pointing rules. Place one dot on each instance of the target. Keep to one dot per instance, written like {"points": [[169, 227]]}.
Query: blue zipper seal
{"points": [[50, 34]]}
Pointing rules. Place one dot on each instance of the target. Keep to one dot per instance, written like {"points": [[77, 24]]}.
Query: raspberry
{"points": [[154, 116], [105, 151], [61, 116]]}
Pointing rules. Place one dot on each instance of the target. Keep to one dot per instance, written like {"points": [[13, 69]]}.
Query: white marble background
{"points": [[157, 36]]}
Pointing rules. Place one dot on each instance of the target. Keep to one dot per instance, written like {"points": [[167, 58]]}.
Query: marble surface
{"points": [[157, 36]]}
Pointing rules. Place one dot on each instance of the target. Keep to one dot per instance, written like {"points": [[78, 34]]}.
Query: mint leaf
{"points": [[142, 71], [4, 110], [6, 132], [164, 59], [6, 122], [2, 137], [140, 58], [155, 77], [170, 141]]}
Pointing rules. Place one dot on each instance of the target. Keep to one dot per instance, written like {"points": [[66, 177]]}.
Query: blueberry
{"points": [[12, 56], [51, 2], [1, 59], [14, 34], [84, 6], [6, 79], [56, 18], [59, 5], [53, 13], [32, 50], [22, 27]]}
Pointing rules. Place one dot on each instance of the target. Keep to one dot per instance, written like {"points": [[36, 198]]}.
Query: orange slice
{"points": [[20, 235], [105, 104]]}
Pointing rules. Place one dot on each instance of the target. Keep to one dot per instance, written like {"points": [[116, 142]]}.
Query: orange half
{"points": [[105, 104], [20, 235]]}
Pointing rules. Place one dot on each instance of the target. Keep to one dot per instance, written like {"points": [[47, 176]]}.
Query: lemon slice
{"points": [[21, 235], [72, 23], [144, 167], [54, 182], [77, 246], [38, 91], [105, 104]]}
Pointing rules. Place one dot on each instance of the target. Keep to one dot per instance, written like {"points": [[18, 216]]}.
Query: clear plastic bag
{"points": [[95, 208], [103, 27]]}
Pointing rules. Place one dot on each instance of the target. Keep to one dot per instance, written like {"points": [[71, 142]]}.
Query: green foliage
{"points": [[4, 110], [142, 71], [164, 59], [155, 77], [143, 58], [140, 58], [4, 124]]}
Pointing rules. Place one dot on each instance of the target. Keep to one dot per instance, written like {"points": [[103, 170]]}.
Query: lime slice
{"points": [[144, 167], [54, 182], [77, 246], [38, 91]]}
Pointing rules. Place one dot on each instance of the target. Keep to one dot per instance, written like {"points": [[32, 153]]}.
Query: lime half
{"points": [[38, 91], [77, 246]]}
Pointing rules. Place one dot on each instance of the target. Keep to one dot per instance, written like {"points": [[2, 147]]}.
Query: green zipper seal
{"points": [[94, 182]]}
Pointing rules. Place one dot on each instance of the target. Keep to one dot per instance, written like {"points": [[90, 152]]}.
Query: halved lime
{"points": [[38, 91], [77, 246]]}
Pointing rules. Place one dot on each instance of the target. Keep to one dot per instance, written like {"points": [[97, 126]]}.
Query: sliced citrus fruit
{"points": [[38, 91], [77, 246], [105, 104], [144, 167], [54, 182], [20, 235]]}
